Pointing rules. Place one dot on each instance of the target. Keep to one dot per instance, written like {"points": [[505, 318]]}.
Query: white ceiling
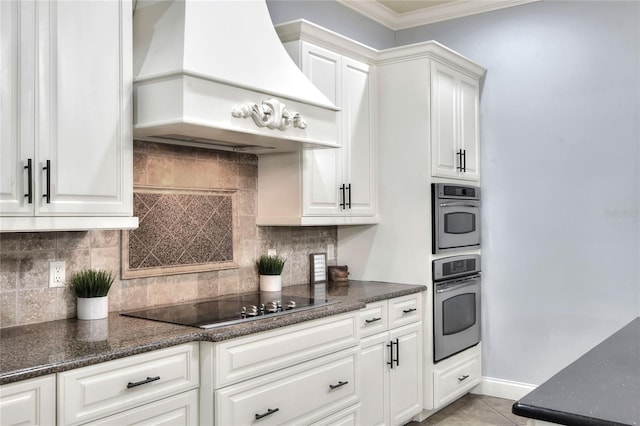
{"points": [[402, 14]]}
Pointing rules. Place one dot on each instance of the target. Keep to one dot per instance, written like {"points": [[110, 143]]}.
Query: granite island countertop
{"points": [[38, 349], [600, 388]]}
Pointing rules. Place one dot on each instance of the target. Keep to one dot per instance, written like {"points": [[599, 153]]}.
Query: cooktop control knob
{"points": [[252, 311], [272, 307], [291, 304]]}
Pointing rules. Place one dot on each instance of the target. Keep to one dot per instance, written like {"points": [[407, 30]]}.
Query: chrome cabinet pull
{"points": [[142, 382], [340, 383], [407, 311], [47, 195], [463, 378], [29, 194], [349, 203], [369, 321], [343, 204], [268, 413]]}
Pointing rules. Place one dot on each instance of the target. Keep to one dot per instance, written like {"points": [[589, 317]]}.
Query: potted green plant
{"points": [[91, 288], [270, 270]]}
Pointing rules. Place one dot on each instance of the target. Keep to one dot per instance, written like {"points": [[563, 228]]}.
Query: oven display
{"points": [[458, 266]]}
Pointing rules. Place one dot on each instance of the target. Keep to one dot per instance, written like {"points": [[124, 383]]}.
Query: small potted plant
{"points": [[270, 270], [91, 288]]}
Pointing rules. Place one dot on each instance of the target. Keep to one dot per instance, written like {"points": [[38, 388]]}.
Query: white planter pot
{"points": [[91, 308], [270, 282]]}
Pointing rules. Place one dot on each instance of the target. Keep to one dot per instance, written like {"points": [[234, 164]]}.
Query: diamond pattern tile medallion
{"points": [[180, 231]]}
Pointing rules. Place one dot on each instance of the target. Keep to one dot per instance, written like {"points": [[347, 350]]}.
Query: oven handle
{"points": [[460, 204], [463, 283]]}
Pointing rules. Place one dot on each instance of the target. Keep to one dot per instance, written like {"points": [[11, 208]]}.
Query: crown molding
{"points": [[429, 15]]}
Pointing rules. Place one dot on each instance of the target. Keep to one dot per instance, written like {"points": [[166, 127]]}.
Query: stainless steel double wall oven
{"points": [[456, 279]]}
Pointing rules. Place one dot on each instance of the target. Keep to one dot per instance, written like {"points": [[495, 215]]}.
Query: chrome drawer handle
{"points": [[406, 311], [142, 382], [340, 383], [369, 321], [463, 378], [268, 413]]}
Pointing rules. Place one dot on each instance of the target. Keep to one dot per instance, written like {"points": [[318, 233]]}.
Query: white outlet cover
{"points": [[57, 273]]}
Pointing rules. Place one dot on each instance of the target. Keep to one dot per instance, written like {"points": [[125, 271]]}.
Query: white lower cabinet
{"points": [[296, 395], [300, 374], [123, 386], [455, 376], [30, 402], [391, 362]]}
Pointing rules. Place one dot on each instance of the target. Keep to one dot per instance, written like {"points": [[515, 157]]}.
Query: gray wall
{"points": [[560, 117], [333, 16]]}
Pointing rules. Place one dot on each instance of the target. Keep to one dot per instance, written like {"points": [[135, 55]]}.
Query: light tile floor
{"points": [[475, 410]]}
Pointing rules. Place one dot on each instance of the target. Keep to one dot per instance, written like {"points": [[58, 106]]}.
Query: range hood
{"points": [[214, 74]]}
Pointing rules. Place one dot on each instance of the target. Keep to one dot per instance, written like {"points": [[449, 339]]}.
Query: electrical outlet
{"points": [[331, 252], [57, 275], [271, 252]]}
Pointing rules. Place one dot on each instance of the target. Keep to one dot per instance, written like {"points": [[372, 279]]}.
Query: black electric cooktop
{"points": [[229, 310]]}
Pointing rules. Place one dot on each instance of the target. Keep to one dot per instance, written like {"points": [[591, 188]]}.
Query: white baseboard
{"points": [[502, 388]]}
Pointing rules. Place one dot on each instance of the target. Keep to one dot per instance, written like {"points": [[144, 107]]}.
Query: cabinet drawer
{"points": [[374, 319], [239, 359], [405, 310], [178, 410], [348, 417], [457, 377], [100, 390], [30, 402], [297, 395]]}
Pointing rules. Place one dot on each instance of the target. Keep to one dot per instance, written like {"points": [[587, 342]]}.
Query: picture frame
{"points": [[318, 267]]}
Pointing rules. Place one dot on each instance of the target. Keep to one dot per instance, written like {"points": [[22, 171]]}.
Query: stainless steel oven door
{"points": [[457, 224], [456, 314]]}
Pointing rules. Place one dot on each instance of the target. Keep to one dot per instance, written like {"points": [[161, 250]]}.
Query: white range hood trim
{"points": [[200, 108]]}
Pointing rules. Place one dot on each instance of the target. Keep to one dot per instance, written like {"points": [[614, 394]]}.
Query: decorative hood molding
{"points": [[215, 74]]}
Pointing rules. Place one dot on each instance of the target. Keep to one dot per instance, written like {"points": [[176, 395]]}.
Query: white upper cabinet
{"points": [[326, 186], [454, 124], [67, 149]]}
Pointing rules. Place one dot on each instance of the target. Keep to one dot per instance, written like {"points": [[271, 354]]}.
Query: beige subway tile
{"points": [[161, 171], [8, 271], [208, 284], [33, 269], [247, 202], [206, 174], [133, 294], [107, 259], [75, 260], [105, 238], [8, 308], [9, 242], [184, 173], [227, 175], [36, 305], [140, 168], [37, 241], [73, 240]]}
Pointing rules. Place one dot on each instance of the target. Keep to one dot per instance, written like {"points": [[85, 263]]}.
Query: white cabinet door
{"points": [[405, 378], [66, 152], [454, 124], [30, 402], [469, 127], [374, 399], [322, 168], [359, 146], [335, 186], [84, 108], [16, 106]]}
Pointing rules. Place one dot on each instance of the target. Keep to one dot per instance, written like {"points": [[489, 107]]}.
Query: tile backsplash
{"points": [[24, 257]]}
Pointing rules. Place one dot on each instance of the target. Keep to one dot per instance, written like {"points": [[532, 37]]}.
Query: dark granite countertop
{"points": [[600, 388], [51, 347]]}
